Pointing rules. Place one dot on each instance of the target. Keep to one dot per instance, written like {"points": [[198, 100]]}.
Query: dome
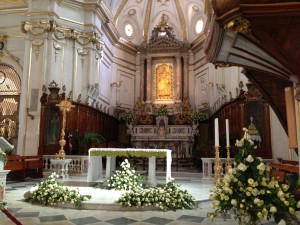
{"points": [[136, 19]]}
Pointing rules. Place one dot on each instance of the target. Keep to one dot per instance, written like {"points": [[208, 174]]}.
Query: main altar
{"points": [[162, 115]]}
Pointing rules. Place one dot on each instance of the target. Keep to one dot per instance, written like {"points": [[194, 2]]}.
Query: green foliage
{"points": [[162, 110], [51, 191], [197, 116], [2, 204], [3, 157], [126, 116], [87, 138], [249, 192]]}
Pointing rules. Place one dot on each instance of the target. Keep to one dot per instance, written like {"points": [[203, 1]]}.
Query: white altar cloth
{"points": [[95, 163]]}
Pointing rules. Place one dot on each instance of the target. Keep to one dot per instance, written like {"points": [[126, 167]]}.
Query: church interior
{"points": [[77, 75]]}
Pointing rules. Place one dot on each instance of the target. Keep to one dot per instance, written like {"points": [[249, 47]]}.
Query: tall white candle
{"points": [[216, 132], [227, 132]]}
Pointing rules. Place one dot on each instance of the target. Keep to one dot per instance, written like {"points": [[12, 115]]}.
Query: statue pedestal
{"points": [[60, 166], [3, 174]]}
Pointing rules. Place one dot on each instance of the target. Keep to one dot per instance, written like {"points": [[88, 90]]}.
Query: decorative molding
{"points": [[241, 25], [82, 53], [3, 49], [57, 48], [182, 20], [37, 43], [119, 10], [60, 32], [147, 20], [222, 65], [37, 27]]}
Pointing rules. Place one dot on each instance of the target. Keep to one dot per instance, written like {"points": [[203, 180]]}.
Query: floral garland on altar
{"points": [[250, 192], [130, 153]]}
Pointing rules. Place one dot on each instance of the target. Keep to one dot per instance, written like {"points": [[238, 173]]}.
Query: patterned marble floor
{"points": [[29, 214]]}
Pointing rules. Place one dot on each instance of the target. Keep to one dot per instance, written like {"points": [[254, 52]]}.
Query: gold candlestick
{"points": [[228, 166], [64, 106], [217, 167]]}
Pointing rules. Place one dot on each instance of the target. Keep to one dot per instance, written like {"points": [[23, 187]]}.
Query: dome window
{"points": [[199, 26], [129, 30]]}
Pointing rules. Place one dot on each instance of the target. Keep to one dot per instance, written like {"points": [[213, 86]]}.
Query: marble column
{"points": [[178, 79], [149, 80], [142, 78], [185, 77]]}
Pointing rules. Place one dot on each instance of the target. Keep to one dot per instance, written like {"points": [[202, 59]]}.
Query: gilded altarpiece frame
{"points": [[163, 82]]}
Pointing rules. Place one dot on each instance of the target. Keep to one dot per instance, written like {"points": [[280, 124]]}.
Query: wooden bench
{"points": [[283, 169], [24, 166]]}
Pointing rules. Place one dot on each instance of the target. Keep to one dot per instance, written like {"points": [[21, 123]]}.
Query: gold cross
{"points": [[65, 106]]}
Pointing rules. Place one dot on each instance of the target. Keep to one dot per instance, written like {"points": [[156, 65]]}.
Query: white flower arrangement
{"points": [[250, 193], [125, 178], [51, 192], [166, 197]]}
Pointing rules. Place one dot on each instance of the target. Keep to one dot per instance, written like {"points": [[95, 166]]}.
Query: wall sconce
{"points": [[29, 114], [117, 84]]}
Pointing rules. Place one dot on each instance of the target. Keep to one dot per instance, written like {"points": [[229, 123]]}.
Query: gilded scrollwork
{"points": [[221, 65], [185, 116], [37, 27], [241, 25], [37, 43], [141, 117], [60, 32]]}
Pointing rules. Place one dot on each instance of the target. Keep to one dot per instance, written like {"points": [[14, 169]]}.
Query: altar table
{"points": [[95, 163]]}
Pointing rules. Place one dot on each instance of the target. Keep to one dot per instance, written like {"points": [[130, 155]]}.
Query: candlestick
{"points": [[228, 166], [227, 132], [216, 132], [217, 168]]}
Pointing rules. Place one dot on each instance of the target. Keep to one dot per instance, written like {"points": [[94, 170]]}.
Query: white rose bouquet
{"points": [[250, 193]]}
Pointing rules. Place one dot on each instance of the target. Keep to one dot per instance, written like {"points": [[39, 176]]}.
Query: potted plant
{"points": [[87, 138]]}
